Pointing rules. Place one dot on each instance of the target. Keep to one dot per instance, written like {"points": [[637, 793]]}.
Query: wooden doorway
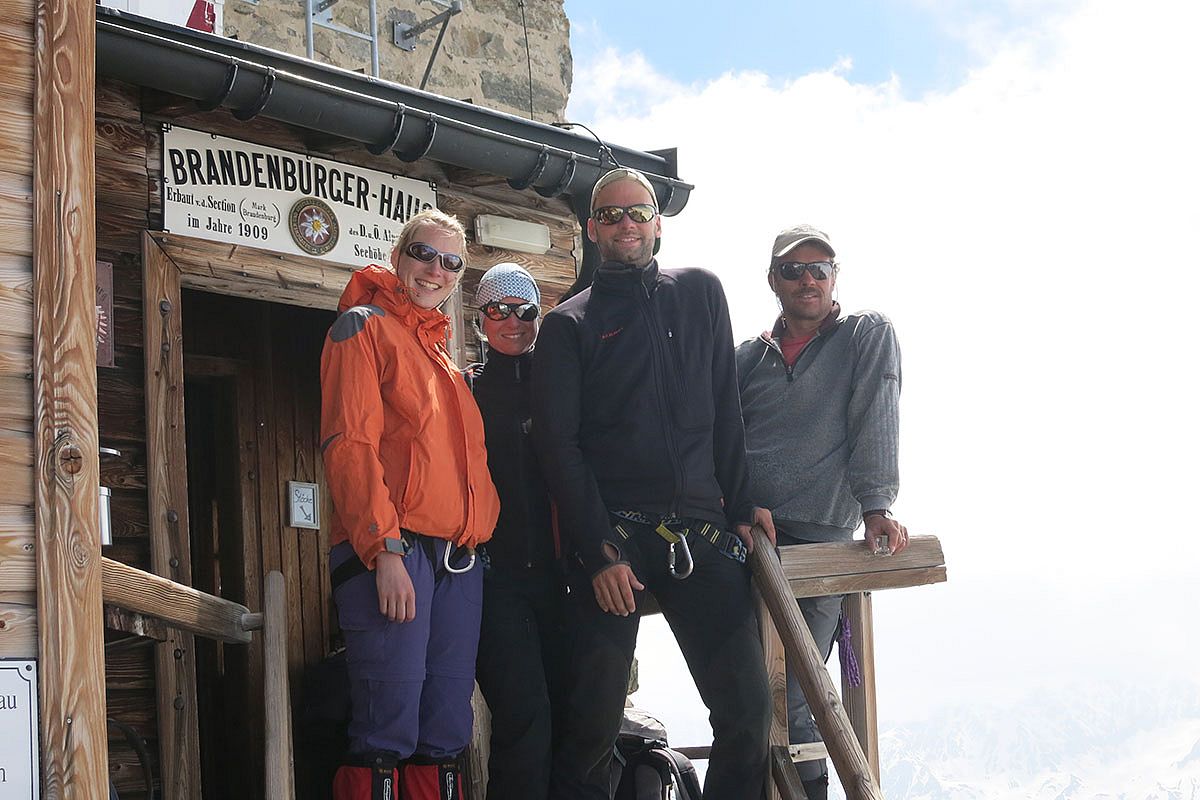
{"points": [[233, 402]]}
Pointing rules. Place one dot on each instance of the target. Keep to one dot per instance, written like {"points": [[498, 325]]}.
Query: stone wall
{"points": [[482, 58]]}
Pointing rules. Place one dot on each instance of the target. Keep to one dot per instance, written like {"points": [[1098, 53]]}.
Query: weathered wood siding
{"points": [[128, 171], [18, 630]]}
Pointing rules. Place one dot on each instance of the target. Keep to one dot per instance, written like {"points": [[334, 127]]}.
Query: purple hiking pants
{"points": [[411, 682]]}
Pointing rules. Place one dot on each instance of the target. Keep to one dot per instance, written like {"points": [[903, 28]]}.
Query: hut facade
{"points": [[162, 311]]}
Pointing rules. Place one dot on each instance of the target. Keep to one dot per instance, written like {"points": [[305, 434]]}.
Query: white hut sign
{"points": [[231, 191]]}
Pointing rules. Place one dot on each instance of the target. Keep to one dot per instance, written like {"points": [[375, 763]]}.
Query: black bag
{"points": [[322, 738], [645, 768]]}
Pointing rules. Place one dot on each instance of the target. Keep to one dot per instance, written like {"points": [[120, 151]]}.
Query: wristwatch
{"points": [[876, 512], [396, 545]]}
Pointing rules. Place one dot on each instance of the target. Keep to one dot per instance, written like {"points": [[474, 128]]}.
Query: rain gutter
{"points": [[251, 81]]}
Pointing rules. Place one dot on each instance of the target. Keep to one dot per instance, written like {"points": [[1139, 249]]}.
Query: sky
{"points": [[1015, 185]]}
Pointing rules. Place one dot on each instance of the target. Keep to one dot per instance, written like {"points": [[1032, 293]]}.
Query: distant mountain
{"points": [[1110, 741]]}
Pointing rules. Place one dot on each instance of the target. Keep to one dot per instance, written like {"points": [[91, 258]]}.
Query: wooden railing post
{"points": [[847, 755], [786, 781], [860, 700], [279, 778]]}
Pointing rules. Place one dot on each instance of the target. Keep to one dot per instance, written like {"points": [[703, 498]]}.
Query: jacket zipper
{"points": [[660, 362], [789, 368]]}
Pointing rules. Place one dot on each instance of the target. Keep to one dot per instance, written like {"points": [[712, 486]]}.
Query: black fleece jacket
{"points": [[636, 404], [523, 537]]}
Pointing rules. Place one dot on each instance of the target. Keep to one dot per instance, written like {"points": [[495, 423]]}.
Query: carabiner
{"points": [[446, 560], [687, 557]]}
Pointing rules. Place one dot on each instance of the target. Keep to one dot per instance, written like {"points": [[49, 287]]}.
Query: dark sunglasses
{"points": [[423, 252], [611, 215], [497, 311], [792, 270]]}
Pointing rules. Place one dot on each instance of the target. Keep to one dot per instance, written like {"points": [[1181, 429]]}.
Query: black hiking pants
{"points": [[522, 657], [712, 616]]}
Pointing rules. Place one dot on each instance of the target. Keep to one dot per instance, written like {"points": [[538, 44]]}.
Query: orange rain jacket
{"points": [[401, 435]]}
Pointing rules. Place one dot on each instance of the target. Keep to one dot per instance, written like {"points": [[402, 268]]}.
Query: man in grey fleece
{"points": [[820, 395]]}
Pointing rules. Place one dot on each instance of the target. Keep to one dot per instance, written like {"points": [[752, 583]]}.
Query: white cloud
{"points": [[1031, 234]]}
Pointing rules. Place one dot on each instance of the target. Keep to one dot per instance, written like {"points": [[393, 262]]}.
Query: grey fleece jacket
{"points": [[821, 436]]}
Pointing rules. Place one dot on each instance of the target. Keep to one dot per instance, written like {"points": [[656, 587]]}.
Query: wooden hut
{"points": [[150, 194]]}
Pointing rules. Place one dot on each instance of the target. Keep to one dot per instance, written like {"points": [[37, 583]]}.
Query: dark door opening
{"points": [[252, 407]]}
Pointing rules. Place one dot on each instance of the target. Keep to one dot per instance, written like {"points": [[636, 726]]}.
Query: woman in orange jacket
{"points": [[403, 445]]}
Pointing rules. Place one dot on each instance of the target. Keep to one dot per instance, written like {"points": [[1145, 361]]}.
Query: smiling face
{"points": [[627, 241], [429, 284], [806, 301], [511, 336]]}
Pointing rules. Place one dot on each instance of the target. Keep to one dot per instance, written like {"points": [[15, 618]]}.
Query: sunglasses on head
{"points": [[497, 311], [611, 215], [792, 270], [423, 252]]}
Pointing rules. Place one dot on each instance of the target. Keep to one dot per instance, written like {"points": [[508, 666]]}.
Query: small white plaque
{"points": [[304, 505], [19, 773]]}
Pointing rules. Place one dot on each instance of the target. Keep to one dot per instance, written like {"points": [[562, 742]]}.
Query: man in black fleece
{"points": [[639, 430], [521, 641]]}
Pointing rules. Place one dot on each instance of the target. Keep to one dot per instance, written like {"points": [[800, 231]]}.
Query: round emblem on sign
{"points": [[314, 227]]}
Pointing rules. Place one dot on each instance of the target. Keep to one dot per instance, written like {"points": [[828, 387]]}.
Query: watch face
{"points": [[395, 546]]}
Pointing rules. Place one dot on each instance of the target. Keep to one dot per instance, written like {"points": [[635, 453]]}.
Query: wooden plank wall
{"points": [[18, 630], [128, 169]]}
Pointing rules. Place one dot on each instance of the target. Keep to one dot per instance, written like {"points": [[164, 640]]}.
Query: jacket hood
{"points": [[366, 285], [374, 285]]}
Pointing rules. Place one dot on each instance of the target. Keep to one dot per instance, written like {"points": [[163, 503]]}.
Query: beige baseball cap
{"points": [[623, 174], [797, 235]]}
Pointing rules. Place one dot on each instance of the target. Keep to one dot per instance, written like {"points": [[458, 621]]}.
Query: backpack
{"points": [[645, 768]]}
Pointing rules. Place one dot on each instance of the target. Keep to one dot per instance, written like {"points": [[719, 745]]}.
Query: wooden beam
{"points": [[775, 660], [860, 700], [170, 549], [178, 605], [258, 274], [146, 627], [806, 662], [784, 773], [814, 570], [853, 558], [867, 582], [74, 737], [278, 733]]}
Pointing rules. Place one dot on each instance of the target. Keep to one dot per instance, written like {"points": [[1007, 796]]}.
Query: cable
{"points": [[605, 151], [528, 57]]}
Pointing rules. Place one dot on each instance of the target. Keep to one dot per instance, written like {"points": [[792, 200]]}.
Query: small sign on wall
{"points": [[304, 505], [105, 355], [19, 772]]}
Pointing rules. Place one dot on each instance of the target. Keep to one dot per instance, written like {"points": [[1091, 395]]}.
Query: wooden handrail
{"points": [[178, 605], [813, 570], [847, 755]]}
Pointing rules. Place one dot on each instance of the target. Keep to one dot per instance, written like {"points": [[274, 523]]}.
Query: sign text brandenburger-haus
{"points": [[232, 191]]}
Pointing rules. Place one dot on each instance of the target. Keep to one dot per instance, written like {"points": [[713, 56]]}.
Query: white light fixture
{"points": [[512, 234]]}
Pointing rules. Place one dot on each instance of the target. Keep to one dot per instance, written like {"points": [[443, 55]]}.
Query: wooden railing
{"points": [[847, 724], [179, 606]]}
